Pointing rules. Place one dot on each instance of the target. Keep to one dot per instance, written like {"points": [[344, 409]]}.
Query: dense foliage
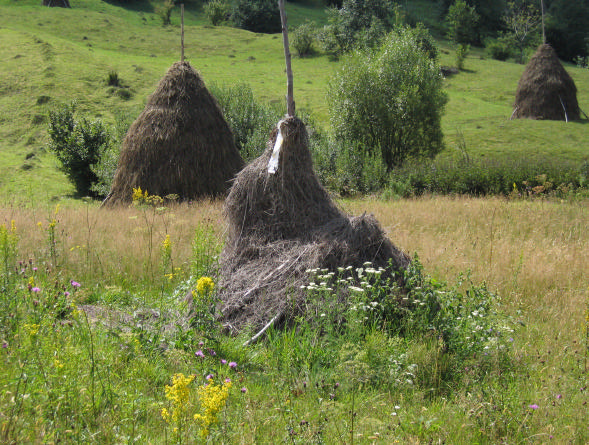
{"points": [[390, 101], [257, 16], [78, 146]]}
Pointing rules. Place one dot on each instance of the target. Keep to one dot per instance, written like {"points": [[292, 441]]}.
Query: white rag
{"points": [[275, 158]]}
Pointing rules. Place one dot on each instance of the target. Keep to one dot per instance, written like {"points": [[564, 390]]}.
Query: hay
{"points": [[545, 90], [280, 226], [180, 144]]}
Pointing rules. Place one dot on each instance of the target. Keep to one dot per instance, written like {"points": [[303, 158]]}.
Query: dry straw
{"points": [[180, 144], [281, 225], [546, 90]]}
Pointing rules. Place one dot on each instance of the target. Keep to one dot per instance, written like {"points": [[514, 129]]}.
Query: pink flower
{"points": [[533, 406], [223, 361], [244, 390], [209, 377], [75, 283], [232, 365], [36, 289], [227, 380], [199, 353]]}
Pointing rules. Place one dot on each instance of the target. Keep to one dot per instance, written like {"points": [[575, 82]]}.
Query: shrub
{"points": [[78, 146], [216, 11], [390, 101], [498, 50], [461, 53], [113, 79], [250, 120], [462, 20], [302, 39], [257, 16], [165, 11]]}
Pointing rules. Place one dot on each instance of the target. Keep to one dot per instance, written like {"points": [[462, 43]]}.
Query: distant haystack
{"points": [[56, 3], [180, 144], [281, 225], [546, 90]]}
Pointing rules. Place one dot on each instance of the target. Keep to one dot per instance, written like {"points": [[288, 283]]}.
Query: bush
{"points": [[461, 53], [498, 50], [250, 120], [302, 39], [216, 11], [257, 16], [390, 101], [78, 146], [462, 20], [165, 12]]}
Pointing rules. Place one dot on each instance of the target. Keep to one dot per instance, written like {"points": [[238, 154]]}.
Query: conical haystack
{"points": [[180, 144], [281, 225], [546, 90]]}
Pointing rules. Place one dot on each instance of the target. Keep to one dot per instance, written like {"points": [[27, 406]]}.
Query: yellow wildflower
{"points": [[32, 328], [212, 400], [178, 393], [13, 226], [204, 285], [167, 244]]}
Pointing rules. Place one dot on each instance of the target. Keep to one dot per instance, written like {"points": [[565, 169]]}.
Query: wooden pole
{"points": [[290, 104], [182, 32], [543, 32]]}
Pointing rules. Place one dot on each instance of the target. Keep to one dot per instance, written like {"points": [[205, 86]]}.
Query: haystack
{"points": [[281, 225], [180, 144], [546, 90]]}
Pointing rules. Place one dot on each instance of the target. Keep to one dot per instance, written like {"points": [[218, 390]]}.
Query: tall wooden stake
{"points": [[543, 32], [290, 104], [182, 32]]}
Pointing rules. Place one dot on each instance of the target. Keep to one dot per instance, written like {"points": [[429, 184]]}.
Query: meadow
{"points": [[97, 342]]}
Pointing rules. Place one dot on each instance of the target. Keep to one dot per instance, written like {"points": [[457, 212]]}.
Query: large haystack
{"points": [[283, 224], [180, 144], [546, 90]]}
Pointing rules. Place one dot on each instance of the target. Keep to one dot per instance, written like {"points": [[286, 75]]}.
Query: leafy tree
{"points": [[366, 21], [489, 12], [462, 20], [257, 16], [523, 23], [567, 28], [216, 11], [390, 101], [77, 145], [302, 39]]}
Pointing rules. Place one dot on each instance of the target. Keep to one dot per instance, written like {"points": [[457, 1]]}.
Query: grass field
{"points": [[92, 315]]}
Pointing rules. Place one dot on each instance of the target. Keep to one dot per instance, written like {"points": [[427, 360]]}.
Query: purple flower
{"points": [[4, 345], [75, 283], [66, 293], [212, 352], [34, 269], [232, 365], [533, 406], [244, 390], [36, 289], [559, 396], [201, 344], [223, 361], [227, 380], [199, 353], [209, 377]]}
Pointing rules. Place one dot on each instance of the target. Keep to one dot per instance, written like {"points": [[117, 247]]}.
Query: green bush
{"points": [[462, 20], [498, 50], [461, 53], [217, 11], [302, 39], [390, 101], [257, 16], [165, 12], [515, 177], [250, 120], [78, 146]]}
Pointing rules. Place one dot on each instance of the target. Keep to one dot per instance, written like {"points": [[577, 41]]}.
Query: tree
{"points": [[78, 146], [489, 12], [390, 101], [523, 21], [567, 28], [462, 20], [257, 16]]}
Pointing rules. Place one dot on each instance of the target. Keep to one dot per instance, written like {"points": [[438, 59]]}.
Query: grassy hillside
{"points": [[53, 56]]}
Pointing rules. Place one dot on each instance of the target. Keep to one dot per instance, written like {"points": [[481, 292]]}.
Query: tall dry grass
{"points": [[535, 254]]}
